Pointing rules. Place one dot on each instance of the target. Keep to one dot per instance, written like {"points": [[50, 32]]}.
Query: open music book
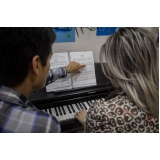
{"points": [[73, 80]]}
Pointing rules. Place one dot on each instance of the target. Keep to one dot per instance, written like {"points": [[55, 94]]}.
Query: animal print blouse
{"points": [[119, 115]]}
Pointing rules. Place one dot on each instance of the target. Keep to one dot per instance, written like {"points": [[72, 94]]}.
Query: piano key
{"points": [[72, 113], [88, 102], [86, 105], [63, 110], [54, 111], [80, 108], [67, 112], [48, 111], [60, 117], [59, 110], [63, 113], [57, 114], [72, 109], [83, 106], [75, 107], [68, 109], [63, 116]]}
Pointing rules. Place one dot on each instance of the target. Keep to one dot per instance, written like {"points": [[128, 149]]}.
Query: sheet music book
{"points": [[86, 77]]}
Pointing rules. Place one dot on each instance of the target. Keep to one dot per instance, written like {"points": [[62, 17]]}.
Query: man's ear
{"points": [[36, 64]]}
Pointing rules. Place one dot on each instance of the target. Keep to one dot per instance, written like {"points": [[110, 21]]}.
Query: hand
{"points": [[81, 115], [74, 67]]}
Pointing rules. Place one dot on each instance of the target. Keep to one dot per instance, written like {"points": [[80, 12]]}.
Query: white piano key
{"points": [[79, 106], [75, 107], [56, 114], [85, 103], [85, 108], [67, 112], [60, 117], [52, 112], [73, 110], [89, 102], [48, 111], [63, 114], [67, 116], [63, 117], [72, 113]]}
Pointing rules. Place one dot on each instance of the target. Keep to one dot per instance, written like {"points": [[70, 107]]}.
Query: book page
{"points": [[87, 75], [59, 60]]}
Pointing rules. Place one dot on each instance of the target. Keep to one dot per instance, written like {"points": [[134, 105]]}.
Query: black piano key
{"points": [[83, 106], [72, 108], [63, 110], [88, 103], [80, 108], [59, 111], [69, 109], [77, 106], [50, 111], [56, 111]]}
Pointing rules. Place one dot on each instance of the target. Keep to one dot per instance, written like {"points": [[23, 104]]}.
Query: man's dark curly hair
{"points": [[17, 48]]}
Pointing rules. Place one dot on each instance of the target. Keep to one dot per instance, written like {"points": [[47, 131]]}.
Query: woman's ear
{"points": [[36, 64]]}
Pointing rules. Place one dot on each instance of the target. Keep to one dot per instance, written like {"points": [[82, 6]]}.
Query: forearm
{"points": [[55, 74]]}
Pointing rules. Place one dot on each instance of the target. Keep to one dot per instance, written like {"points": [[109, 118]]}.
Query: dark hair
{"points": [[17, 48]]}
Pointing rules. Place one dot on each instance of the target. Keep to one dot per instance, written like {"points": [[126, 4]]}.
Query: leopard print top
{"points": [[119, 115]]}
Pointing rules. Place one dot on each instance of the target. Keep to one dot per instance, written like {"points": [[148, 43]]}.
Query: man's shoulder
{"points": [[17, 118]]}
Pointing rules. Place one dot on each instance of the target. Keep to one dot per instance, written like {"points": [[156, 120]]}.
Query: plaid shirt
{"points": [[18, 114]]}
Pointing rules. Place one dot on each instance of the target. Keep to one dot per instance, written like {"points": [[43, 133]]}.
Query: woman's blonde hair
{"points": [[129, 59]]}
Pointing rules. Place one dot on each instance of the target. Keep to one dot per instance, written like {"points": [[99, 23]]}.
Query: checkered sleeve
{"points": [[55, 74], [45, 123], [28, 120]]}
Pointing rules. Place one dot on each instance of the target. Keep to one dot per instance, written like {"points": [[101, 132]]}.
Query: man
{"points": [[24, 67]]}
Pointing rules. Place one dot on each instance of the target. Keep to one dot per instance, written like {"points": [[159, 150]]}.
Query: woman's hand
{"points": [[74, 67], [81, 115]]}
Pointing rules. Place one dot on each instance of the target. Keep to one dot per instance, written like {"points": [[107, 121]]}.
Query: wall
{"points": [[85, 42]]}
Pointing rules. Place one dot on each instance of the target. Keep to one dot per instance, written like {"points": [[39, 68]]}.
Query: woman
{"points": [[130, 60]]}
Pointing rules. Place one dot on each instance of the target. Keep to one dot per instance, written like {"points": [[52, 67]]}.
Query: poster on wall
{"points": [[64, 34], [106, 31]]}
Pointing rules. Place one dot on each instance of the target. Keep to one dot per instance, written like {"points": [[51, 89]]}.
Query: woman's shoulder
{"points": [[121, 112]]}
